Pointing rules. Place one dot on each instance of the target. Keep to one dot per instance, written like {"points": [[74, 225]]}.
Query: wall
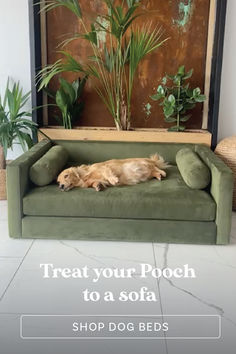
{"points": [[227, 118], [15, 51], [15, 58]]}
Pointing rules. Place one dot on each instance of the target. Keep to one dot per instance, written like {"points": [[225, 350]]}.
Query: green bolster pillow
{"points": [[46, 169], [194, 172]]}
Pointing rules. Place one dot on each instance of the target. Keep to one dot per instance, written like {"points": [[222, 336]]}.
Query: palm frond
{"points": [[130, 3], [69, 64], [118, 19], [89, 36], [142, 42], [72, 5], [45, 75]]}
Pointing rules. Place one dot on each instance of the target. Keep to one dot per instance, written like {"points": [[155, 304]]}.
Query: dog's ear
{"points": [[76, 172]]}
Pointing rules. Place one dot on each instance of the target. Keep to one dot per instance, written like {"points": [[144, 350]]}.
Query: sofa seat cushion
{"points": [[170, 199]]}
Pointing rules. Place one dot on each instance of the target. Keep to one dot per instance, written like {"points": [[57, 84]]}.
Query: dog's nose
{"points": [[62, 186]]}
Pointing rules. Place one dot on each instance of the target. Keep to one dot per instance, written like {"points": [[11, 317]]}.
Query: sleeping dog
{"points": [[113, 173]]}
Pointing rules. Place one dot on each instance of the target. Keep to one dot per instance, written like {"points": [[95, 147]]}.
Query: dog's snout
{"points": [[62, 186]]}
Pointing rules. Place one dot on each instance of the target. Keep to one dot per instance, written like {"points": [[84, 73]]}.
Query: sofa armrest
{"points": [[18, 184], [221, 190]]}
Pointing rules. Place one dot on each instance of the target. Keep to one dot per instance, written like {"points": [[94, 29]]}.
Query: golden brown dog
{"points": [[113, 173]]}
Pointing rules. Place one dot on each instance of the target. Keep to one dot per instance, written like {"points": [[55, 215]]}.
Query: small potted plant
{"points": [[178, 99], [68, 100], [14, 126]]}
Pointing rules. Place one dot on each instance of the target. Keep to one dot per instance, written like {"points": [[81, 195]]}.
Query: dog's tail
{"points": [[159, 161]]}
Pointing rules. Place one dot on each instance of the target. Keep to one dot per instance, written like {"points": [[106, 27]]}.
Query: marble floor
{"points": [[24, 291]]}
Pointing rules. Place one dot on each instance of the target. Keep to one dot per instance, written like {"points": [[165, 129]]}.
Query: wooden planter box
{"points": [[137, 135], [3, 189]]}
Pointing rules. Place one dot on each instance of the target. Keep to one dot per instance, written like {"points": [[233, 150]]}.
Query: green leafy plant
{"points": [[178, 99], [68, 100], [14, 125], [114, 62]]}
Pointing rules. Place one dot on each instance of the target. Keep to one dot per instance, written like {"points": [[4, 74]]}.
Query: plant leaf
{"points": [[181, 70], [171, 99], [170, 119], [188, 75], [177, 128], [156, 97], [72, 5], [185, 118]]}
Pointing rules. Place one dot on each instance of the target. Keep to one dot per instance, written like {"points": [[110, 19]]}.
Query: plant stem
{"points": [[119, 84], [118, 127], [69, 121], [178, 115], [178, 120], [2, 159], [108, 89]]}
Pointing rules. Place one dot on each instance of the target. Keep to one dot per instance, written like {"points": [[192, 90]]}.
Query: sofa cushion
{"points": [[87, 152], [194, 172], [170, 199], [46, 169]]}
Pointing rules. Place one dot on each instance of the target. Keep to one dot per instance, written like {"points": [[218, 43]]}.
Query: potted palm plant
{"points": [[114, 64], [14, 126]]}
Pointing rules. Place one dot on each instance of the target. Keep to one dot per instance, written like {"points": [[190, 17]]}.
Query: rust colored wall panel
{"points": [[185, 22]]}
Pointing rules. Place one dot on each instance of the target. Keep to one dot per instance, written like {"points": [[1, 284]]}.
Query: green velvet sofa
{"points": [[167, 211]]}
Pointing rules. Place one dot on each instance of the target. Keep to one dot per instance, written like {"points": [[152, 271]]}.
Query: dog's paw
{"points": [[163, 173], [99, 187], [157, 175], [114, 180]]}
